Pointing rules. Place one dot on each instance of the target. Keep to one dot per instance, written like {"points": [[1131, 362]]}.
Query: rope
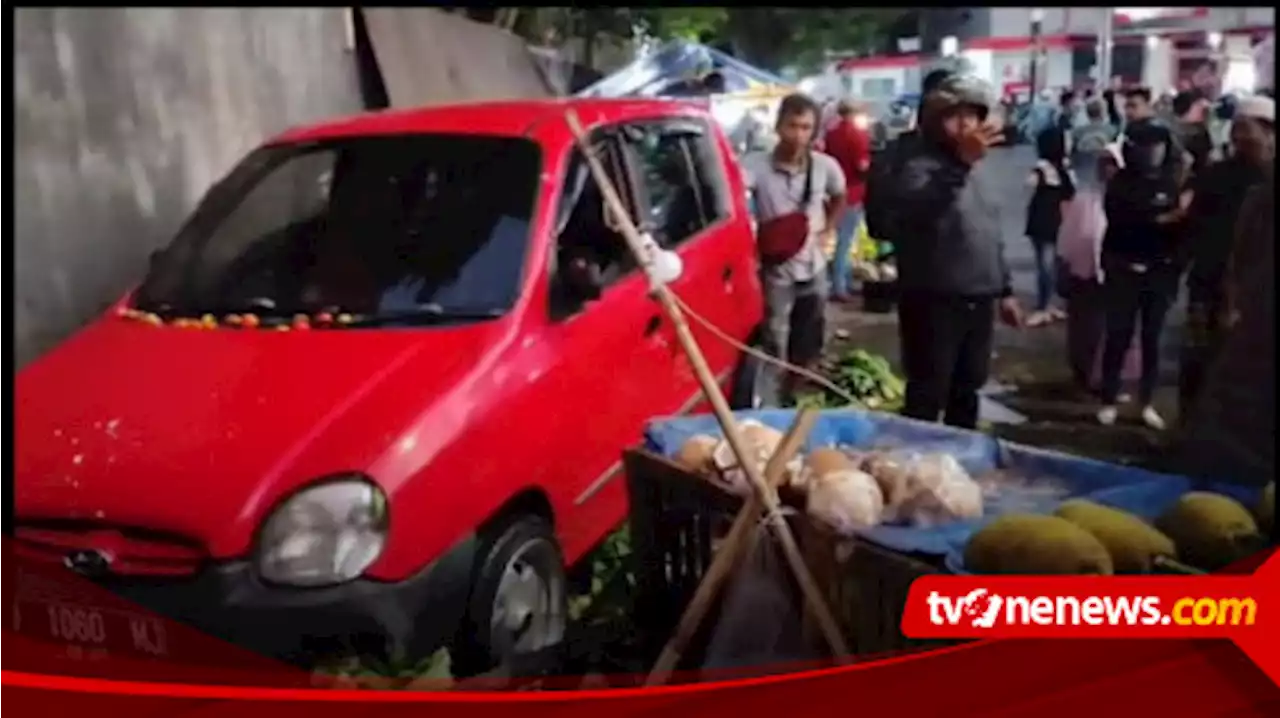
{"points": [[777, 513], [765, 356]]}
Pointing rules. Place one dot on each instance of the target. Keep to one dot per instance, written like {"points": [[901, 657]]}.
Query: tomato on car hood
{"points": [[198, 432]]}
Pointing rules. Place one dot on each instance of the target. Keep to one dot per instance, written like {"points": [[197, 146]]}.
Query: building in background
{"points": [[1163, 48]]}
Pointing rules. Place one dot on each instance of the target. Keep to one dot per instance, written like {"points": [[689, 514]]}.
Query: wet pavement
{"points": [[1032, 362]]}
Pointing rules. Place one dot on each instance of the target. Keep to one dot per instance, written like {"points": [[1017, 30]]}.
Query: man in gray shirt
{"points": [[780, 182]]}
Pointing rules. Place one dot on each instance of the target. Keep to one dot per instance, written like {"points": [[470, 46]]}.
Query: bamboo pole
{"points": [[727, 556], [711, 389]]}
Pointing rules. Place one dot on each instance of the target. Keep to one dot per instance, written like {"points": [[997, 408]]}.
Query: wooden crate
{"points": [[676, 520]]}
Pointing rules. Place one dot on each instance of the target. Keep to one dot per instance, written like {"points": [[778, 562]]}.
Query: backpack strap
{"points": [[808, 185]]}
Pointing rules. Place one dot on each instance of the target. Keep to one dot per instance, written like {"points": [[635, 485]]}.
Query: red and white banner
{"points": [[1130, 15]]}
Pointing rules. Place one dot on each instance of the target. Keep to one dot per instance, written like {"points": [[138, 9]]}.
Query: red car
{"points": [[374, 392]]}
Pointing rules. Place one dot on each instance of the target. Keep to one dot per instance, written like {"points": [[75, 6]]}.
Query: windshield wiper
{"points": [[424, 315]]}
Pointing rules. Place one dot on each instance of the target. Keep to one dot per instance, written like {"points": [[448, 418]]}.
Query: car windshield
{"points": [[435, 226]]}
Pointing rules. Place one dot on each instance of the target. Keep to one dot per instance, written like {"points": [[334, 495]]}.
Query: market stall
{"points": [[879, 500]]}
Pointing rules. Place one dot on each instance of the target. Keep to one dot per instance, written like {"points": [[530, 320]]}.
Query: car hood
{"points": [[198, 432]]}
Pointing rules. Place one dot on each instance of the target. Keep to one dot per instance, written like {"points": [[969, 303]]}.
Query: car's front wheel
{"points": [[519, 601]]}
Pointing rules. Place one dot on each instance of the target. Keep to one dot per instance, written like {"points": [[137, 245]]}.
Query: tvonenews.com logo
{"points": [[1237, 607], [980, 608]]}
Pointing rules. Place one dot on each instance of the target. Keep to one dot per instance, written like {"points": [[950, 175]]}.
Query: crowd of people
{"points": [[1125, 208]]}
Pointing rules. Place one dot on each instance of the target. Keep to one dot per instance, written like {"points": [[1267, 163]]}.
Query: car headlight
{"points": [[325, 534]]}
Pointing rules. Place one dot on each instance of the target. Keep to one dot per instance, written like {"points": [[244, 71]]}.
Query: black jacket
{"points": [[1133, 203], [952, 234], [1211, 221]]}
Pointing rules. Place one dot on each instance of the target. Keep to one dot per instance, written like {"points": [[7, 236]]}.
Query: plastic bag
{"points": [[942, 492], [864, 245], [761, 619], [923, 489]]}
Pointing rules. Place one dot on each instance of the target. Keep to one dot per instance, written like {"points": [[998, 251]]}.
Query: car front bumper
{"points": [[229, 601]]}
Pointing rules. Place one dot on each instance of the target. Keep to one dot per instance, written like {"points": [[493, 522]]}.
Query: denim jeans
{"points": [[841, 267], [1046, 273], [795, 324], [1141, 297]]}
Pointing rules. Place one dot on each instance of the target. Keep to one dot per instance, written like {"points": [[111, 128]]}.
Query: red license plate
{"points": [[87, 626]]}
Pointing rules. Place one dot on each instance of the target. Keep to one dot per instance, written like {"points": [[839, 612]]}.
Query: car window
{"points": [[586, 231], [682, 190], [372, 225]]}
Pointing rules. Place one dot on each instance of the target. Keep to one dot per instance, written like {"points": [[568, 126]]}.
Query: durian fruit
{"points": [[1133, 543], [845, 500], [696, 454], [1035, 544], [1210, 530], [1265, 511]]}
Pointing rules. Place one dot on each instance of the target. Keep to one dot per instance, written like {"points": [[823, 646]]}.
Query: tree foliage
{"points": [[773, 37], [770, 37]]}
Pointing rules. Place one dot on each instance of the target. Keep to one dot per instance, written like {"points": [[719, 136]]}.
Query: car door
{"points": [[684, 204], [612, 355]]}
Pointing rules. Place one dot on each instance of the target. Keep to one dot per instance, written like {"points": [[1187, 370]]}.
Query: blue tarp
{"points": [[1138, 491], [658, 73]]}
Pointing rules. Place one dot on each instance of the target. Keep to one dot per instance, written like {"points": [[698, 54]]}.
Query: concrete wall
{"points": [[428, 57], [124, 117]]}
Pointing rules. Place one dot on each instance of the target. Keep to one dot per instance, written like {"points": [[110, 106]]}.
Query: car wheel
{"points": [[754, 387], [519, 602]]}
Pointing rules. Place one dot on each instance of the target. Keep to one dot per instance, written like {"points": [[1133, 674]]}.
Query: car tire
{"points": [[749, 391], [519, 599]]}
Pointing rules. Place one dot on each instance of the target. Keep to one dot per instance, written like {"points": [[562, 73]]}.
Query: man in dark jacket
{"points": [[880, 209], [1138, 260], [951, 268], [1191, 129], [1218, 194], [1231, 434]]}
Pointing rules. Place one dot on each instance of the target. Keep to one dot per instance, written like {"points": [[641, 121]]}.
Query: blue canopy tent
{"points": [[674, 70], [744, 108]]}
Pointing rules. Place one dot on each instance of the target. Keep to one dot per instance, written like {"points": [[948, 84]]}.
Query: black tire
{"points": [[745, 393], [527, 540]]}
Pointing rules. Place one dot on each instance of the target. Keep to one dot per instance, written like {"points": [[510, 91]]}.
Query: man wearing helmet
{"points": [[951, 268]]}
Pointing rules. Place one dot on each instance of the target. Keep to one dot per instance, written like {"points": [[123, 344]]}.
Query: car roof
{"points": [[510, 118]]}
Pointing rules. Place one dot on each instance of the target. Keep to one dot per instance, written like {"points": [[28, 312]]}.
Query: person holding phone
{"points": [[951, 267]]}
